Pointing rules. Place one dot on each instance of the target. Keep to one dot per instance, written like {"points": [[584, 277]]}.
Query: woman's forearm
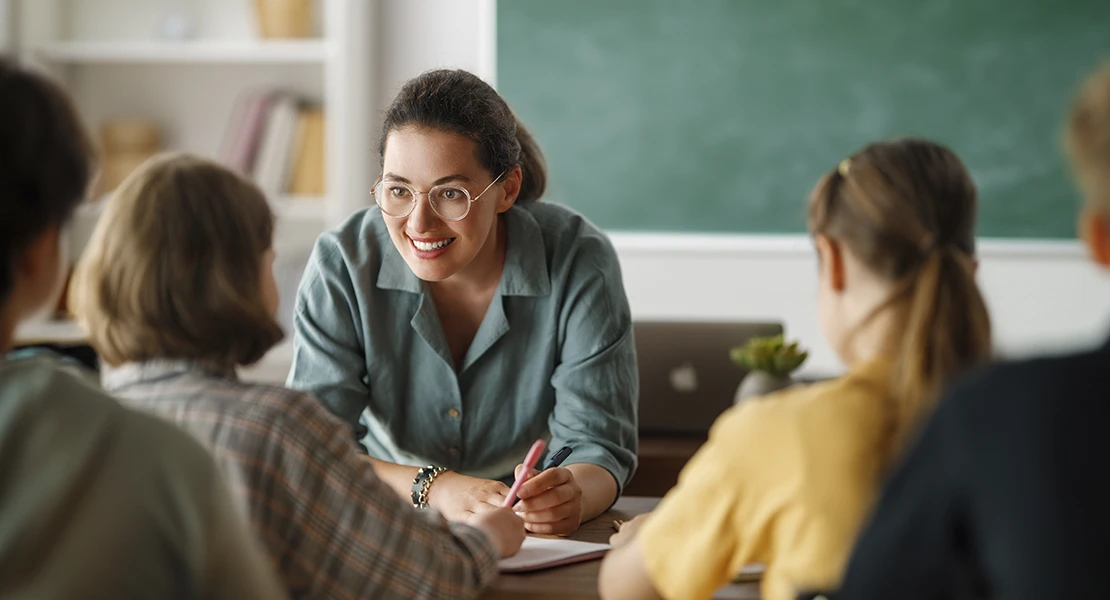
{"points": [[398, 477], [599, 489]]}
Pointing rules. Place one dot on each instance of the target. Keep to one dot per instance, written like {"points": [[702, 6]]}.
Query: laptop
{"points": [[686, 377]]}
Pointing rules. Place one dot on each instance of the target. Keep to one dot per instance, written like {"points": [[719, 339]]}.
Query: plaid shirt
{"points": [[332, 527]]}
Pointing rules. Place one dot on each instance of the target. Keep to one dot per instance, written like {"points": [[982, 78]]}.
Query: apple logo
{"points": [[684, 379]]}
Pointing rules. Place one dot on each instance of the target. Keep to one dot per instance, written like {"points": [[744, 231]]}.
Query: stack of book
{"points": [[278, 140]]}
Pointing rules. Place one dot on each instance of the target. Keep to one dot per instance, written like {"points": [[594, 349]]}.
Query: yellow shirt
{"points": [[785, 481]]}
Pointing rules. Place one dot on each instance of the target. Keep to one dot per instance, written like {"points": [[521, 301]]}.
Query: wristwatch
{"points": [[422, 483]]}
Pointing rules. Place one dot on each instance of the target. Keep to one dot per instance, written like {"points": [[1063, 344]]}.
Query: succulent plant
{"points": [[769, 354]]}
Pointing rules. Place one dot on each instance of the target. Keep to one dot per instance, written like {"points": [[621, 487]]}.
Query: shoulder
{"points": [[53, 397], [1030, 389], [284, 416], [804, 412], [351, 246], [569, 237], [47, 383]]}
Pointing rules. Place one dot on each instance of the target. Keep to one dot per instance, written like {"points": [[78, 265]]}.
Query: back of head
{"points": [[1088, 138], [46, 161], [459, 102], [907, 208], [173, 269]]}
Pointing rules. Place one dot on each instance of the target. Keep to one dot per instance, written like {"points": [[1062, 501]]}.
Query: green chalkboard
{"points": [[720, 115]]}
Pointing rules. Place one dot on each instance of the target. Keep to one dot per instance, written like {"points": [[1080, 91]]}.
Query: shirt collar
{"points": [[127, 374], [525, 272]]}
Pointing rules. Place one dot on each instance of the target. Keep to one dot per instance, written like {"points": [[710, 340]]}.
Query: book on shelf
{"points": [[308, 166], [240, 144], [278, 140]]}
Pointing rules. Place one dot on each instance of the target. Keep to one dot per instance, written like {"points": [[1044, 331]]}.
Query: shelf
{"points": [[309, 51]]}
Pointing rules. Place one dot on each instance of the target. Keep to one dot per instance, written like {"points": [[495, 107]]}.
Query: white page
{"points": [[540, 553]]}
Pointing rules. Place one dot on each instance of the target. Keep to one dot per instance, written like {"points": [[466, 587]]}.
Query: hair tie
{"points": [[843, 167]]}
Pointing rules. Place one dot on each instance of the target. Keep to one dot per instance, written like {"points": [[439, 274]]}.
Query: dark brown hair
{"points": [[46, 161], [459, 102], [173, 268], [1087, 137], [907, 209]]}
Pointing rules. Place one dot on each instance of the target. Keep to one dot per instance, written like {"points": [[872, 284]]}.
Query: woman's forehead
{"points": [[424, 155]]}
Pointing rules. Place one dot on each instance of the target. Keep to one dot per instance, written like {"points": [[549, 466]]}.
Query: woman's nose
{"points": [[422, 219]]}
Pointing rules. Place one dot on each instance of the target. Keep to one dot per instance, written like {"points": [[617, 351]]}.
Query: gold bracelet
{"points": [[422, 483]]}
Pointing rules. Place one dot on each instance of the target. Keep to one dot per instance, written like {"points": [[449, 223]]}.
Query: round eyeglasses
{"points": [[450, 201]]}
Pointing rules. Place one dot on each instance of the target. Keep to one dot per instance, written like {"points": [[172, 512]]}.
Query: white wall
{"points": [[1042, 295], [6, 26]]}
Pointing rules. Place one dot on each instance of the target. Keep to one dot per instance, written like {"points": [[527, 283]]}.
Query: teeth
{"points": [[432, 246]]}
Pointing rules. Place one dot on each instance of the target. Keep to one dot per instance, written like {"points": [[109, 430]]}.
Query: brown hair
{"points": [[1087, 136], [459, 102], [906, 208], [173, 267], [46, 161]]}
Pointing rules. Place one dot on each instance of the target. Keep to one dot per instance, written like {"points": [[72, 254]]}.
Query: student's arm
{"points": [[596, 391], [707, 527], [356, 538], [908, 551], [624, 576]]}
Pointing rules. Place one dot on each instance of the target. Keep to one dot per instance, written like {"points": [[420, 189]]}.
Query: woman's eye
{"points": [[399, 192]]}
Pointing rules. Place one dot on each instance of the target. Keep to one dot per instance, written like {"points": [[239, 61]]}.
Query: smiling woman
{"points": [[461, 319]]}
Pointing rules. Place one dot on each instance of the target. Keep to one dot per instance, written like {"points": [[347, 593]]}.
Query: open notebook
{"points": [[543, 553]]}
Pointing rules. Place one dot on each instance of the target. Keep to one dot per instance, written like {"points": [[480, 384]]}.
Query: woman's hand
{"points": [[550, 502], [459, 497]]}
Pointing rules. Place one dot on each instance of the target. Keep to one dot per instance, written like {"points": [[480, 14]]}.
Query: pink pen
{"points": [[529, 464]]}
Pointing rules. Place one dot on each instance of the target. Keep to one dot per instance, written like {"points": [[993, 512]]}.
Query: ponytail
{"points": [[947, 329], [532, 164]]}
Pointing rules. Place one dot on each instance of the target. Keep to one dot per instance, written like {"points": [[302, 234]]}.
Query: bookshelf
{"points": [[215, 52], [116, 61]]}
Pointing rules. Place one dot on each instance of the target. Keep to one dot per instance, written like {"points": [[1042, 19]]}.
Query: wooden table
{"points": [[579, 582]]}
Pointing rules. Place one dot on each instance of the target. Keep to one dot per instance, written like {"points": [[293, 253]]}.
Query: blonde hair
{"points": [[1087, 137], [173, 268], [906, 208]]}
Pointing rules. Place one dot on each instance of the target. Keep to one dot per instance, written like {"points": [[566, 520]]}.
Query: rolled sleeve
{"points": [[328, 356], [596, 382]]}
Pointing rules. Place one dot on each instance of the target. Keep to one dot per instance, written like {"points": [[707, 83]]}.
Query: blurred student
{"points": [[786, 480], [96, 501], [176, 291], [1005, 494]]}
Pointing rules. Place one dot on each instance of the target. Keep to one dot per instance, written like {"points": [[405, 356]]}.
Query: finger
{"points": [[564, 527], [553, 514], [544, 481], [550, 498], [520, 468]]}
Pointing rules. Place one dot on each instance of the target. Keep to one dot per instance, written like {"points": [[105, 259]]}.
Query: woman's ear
{"points": [[1095, 232], [831, 261], [511, 183]]}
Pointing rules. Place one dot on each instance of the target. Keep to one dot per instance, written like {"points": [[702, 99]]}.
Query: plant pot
{"points": [[284, 18], [760, 383]]}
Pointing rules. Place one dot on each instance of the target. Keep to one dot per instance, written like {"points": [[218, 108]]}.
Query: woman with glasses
{"points": [[461, 319]]}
